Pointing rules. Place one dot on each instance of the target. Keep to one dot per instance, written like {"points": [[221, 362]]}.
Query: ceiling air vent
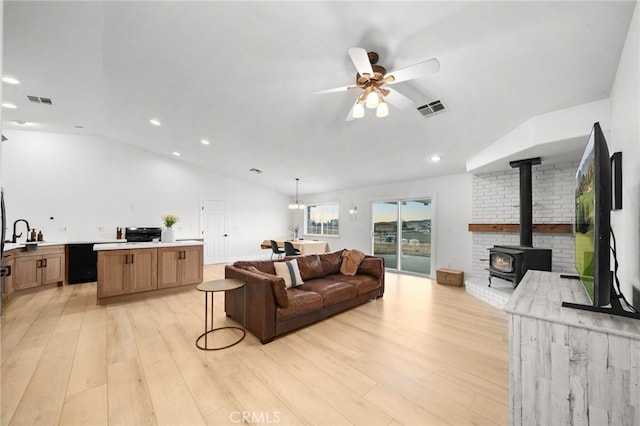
{"points": [[39, 100], [432, 108]]}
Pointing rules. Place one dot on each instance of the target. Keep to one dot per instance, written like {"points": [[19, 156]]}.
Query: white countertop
{"points": [[128, 246], [11, 246]]}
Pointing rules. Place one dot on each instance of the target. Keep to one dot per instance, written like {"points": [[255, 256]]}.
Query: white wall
{"points": [[625, 137], [90, 185], [451, 214]]}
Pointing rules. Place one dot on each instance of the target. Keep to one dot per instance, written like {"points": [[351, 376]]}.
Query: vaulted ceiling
{"points": [[240, 75]]}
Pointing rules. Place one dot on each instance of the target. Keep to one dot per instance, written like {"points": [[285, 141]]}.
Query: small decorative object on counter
{"points": [[40, 236], [167, 233], [118, 233], [170, 220], [32, 236]]}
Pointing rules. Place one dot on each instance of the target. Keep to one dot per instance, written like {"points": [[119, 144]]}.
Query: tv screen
{"points": [[592, 218]]}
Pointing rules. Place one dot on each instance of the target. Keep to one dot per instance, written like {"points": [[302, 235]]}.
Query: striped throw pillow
{"points": [[290, 272]]}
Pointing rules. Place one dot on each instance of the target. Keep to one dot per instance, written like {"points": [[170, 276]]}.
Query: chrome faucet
{"points": [[15, 237]]}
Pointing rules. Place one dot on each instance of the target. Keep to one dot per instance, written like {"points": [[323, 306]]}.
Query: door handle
{"points": [[131, 258], [44, 261]]}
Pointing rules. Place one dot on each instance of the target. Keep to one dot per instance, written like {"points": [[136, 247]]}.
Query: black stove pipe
{"points": [[526, 205]]}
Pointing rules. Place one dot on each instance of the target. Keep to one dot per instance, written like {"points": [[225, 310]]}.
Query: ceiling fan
{"points": [[370, 79]]}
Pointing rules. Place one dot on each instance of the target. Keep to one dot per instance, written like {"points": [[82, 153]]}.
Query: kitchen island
{"points": [[127, 270]]}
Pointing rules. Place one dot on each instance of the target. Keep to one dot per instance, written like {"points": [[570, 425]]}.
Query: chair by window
{"points": [[289, 250], [275, 250]]}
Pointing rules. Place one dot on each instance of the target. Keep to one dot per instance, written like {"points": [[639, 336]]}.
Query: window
{"points": [[322, 219]]}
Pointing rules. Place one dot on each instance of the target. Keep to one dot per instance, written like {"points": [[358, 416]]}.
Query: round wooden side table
{"points": [[209, 288]]}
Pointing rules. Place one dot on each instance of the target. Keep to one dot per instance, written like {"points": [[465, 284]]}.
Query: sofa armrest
{"points": [[374, 266], [261, 303]]}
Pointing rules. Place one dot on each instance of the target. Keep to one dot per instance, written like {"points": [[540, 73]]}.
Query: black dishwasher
{"points": [[82, 263]]}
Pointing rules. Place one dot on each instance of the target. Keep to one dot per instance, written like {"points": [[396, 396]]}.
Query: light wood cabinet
{"points": [[179, 266], [7, 281], [43, 266], [127, 271]]}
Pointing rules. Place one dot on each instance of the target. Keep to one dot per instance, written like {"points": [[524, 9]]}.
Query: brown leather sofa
{"points": [[273, 310]]}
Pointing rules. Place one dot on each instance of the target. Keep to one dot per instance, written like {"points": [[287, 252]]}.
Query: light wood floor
{"points": [[423, 354]]}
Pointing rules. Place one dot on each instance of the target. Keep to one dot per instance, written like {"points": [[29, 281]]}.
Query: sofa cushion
{"points": [[330, 262], [289, 271], [300, 302], [351, 259], [261, 265], [310, 266], [277, 285], [362, 282], [331, 289]]}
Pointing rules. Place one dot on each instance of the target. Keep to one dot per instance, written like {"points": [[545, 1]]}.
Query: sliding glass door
{"points": [[402, 234]]}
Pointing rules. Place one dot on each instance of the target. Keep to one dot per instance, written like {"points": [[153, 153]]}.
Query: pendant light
{"points": [[297, 204]]}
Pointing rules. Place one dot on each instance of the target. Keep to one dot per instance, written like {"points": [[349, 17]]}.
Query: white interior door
{"points": [[214, 231]]}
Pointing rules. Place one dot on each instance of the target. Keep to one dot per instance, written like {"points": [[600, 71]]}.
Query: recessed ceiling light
{"points": [[24, 123], [10, 80], [176, 153], [9, 105], [78, 126], [204, 142], [435, 158], [154, 121]]}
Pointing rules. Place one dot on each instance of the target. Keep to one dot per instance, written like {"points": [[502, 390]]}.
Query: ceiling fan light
{"points": [[358, 111], [382, 110], [372, 100]]}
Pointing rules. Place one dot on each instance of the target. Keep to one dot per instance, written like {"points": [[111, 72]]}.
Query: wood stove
{"points": [[512, 262]]}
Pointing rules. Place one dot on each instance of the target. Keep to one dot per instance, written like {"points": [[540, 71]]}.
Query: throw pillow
{"points": [[351, 259], [290, 272]]}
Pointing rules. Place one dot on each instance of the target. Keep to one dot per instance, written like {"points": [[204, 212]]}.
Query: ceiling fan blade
{"points": [[413, 71], [398, 100], [335, 90], [360, 59]]}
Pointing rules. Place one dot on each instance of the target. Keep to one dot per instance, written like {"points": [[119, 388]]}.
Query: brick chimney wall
{"points": [[495, 200]]}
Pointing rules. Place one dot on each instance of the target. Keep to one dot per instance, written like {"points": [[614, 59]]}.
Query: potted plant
{"points": [[294, 232], [167, 233]]}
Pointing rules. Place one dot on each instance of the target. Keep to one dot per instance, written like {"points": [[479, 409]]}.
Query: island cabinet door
{"points": [[169, 262], [143, 270], [192, 265], [113, 272]]}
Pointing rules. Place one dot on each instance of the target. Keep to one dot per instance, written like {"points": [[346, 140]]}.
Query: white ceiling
{"points": [[240, 74]]}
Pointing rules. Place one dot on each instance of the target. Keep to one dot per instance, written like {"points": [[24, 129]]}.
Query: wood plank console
{"points": [[569, 366]]}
